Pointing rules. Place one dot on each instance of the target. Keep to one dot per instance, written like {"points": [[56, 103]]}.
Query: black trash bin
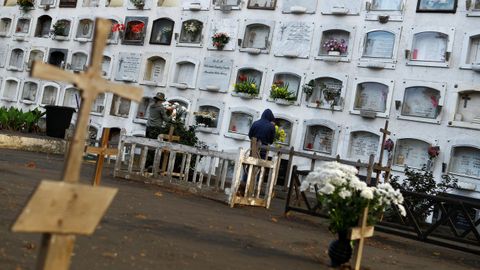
{"points": [[58, 120]]}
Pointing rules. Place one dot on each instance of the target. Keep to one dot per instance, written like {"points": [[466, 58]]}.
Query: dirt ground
{"points": [[148, 227]]}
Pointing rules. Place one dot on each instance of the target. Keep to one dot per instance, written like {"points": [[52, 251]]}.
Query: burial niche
{"points": [[61, 29], [23, 26], [207, 116], [45, 3], [120, 106], [262, 4], [421, 101], [162, 31], [50, 93], [386, 5], [155, 70], [362, 145], [68, 3], [429, 47], [411, 153], [29, 92], [468, 107], [91, 3], [290, 81], [135, 29], [5, 25], [334, 43], [184, 105], [142, 110], [465, 160], [71, 98], [79, 61], [379, 44], [10, 90], [57, 57], [240, 123], [185, 73], [287, 126], [16, 59], [106, 65], [44, 24], [227, 5], [319, 138], [85, 29], [191, 32], [326, 93], [371, 96], [256, 36], [473, 54], [99, 104]]}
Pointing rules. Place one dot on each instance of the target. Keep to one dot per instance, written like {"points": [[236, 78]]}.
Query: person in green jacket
{"points": [[158, 116]]}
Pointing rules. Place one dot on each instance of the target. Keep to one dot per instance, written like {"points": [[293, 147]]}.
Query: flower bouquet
{"points": [[59, 29], [335, 47], [140, 4], [246, 85], [344, 196], [176, 111], [279, 90], [205, 119], [220, 40], [193, 28], [25, 5], [280, 135]]}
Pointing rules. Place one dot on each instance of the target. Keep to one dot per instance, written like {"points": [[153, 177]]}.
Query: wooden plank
{"points": [[143, 159], [218, 173], [249, 180], [271, 183], [257, 162], [156, 162], [118, 162], [224, 174], [260, 181], [187, 168], [210, 170], [236, 178], [357, 233], [66, 208], [182, 166], [55, 251], [171, 164], [132, 157], [197, 160]]}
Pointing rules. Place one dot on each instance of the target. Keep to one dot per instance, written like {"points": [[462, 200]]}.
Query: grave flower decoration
{"points": [[59, 29], [220, 40], [344, 196], [140, 4], [25, 5], [137, 28], [308, 88], [246, 85], [280, 135], [279, 90], [433, 152], [118, 27], [205, 118], [388, 145], [176, 111], [334, 45], [192, 27]]}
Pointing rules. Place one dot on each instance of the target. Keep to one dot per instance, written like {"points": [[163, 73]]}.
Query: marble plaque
{"points": [[293, 39], [320, 139], [299, 6], [421, 102], [429, 46], [128, 66], [341, 7], [215, 75], [466, 161], [240, 123], [195, 4], [229, 26], [411, 152], [379, 44], [372, 97], [363, 144]]}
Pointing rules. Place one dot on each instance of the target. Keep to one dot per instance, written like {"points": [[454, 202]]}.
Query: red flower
{"points": [[433, 151], [242, 77], [278, 82], [434, 101], [118, 27], [388, 145], [137, 28]]}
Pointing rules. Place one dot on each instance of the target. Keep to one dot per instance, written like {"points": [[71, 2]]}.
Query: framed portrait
{"points": [[438, 6], [262, 4]]}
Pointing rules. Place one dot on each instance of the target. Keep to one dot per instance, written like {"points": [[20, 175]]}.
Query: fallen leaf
{"points": [[140, 216], [31, 165], [274, 219], [142, 254], [110, 254], [436, 253], [158, 194]]}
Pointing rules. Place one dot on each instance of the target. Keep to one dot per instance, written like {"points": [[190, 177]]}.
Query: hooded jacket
{"points": [[263, 129]]}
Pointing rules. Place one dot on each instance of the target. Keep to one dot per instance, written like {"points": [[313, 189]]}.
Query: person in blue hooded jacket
{"points": [[264, 130]]}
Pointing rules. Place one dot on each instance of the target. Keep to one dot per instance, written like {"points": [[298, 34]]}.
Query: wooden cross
{"points": [[465, 98], [170, 138], [101, 152], [378, 167], [361, 233], [57, 209]]}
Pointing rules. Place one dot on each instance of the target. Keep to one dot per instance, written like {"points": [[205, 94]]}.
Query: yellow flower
{"points": [[254, 86]]}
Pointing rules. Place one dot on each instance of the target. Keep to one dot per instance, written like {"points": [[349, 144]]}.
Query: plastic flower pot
{"points": [[58, 120]]}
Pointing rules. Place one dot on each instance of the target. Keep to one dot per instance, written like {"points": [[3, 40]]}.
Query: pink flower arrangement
{"points": [[334, 45], [433, 151], [137, 28], [219, 40], [118, 27], [388, 145]]}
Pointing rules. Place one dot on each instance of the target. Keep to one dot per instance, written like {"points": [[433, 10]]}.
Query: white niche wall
{"points": [[340, 7], [361, 141], [328, 91], [71, 97], [128, 67], [384, 10], [210, 106], [29, 92], [463, 159], [291, 77], [155, 69], [379, 47], [470, 58], [421, 101], [254, 73], [411, 152], [227, 5], [35, 54], [6, 23], [256, 36], [224, 25], [44, 23], [430, 46], [240, 119], [114, 36], [293, 39], [185, 71], [78, 61], [22, 27], [16, 59], [10, 89], [320, 136], [50, 92], [372, 97], [466, 107], [335, 32], [195, 5]]}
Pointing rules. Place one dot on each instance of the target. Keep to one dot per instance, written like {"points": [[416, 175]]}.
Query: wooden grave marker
{"points": [[170, 138], [58, 208], [360, 233], [101, 152]]}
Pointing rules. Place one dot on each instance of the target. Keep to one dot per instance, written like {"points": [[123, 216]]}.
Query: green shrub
{"points": [[14, 119]]}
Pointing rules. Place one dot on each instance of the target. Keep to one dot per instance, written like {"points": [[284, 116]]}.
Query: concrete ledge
{"points": [[33, 143]]}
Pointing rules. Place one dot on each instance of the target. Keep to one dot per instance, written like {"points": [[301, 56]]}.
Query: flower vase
{"points": [[334, 53], [220, 47], [340, 250]]}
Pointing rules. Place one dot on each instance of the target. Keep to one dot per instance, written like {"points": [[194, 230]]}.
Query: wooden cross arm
{"points": [[126, 91], [101, 151], [51, 73], [357, 232], [103, 27]]}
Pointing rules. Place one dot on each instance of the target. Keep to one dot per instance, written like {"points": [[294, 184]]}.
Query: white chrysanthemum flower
{"points": [[367, 193], [304, 186], [402, 210], [327, 189], [345, 193]]}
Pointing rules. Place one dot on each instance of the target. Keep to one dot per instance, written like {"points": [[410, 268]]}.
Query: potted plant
{"points": [[335, 47], [331, 95], [246, 87], [279, 92], [341, 193], [140, 4], [25, 5], [205, 119], [59, 29], [220, 39]]}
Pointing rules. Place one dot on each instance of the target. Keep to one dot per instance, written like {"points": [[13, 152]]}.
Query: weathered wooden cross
{"points": [[378, 167], [360, 233], [170, 138], [61, 209], [101, 152]]}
